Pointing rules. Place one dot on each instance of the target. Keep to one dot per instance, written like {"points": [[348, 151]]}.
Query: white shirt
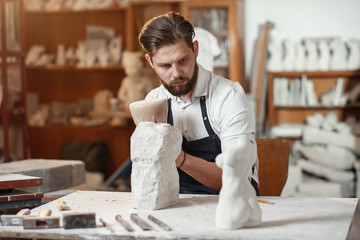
{"points": [[229, 112]]}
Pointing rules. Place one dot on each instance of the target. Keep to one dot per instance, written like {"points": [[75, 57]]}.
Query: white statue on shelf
{"points": [[338, 58], [289, 55], [274, 63], [353, 62], [324, 59], [80, 54], [79, 5], [115, 50], [312, 59], [53, 5], [70, 57], [103, 56], [102, 100], [60, 56], [34, 5], [34, 54], [208, 48], [300, 57], [238, 206]]}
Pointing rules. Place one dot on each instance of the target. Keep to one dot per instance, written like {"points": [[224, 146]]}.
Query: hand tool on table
{"points": [[140, 222], [42, 221], [14, 220], [160, 223], [106, 225], [124, 223], [79, 220]]}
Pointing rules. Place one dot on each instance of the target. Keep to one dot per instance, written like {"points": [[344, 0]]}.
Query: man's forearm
{"points": [[203, 171]]}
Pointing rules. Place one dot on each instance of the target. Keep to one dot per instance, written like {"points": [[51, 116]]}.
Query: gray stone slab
{"points": [[56, 174]]}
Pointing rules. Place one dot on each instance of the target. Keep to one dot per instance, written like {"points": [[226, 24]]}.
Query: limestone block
{"points": [[55, 174], [238, 206], [332, 156], [154, 177], [326, 172]]}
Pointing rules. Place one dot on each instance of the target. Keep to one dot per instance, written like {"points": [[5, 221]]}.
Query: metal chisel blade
{"points": [[140, 222]]}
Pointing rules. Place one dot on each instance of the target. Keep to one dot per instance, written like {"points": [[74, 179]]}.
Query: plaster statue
{"points": [[103, 56], [312, 58], [324, 59], [79, 5], [135, 85], [300, 57], [80, 54], [70, 57], [238, 206], [90, 58], [353, 62], [289, 55], [34, 54], [68, 4], [208, 48], [33, 5], [274, 63], [102, 100], [338, 58], [60, 56], [149, 110], [53, 5], [115, 50]]}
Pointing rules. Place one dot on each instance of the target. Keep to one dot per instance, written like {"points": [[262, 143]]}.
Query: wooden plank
{"points": [[9, 181], [20, 195]]}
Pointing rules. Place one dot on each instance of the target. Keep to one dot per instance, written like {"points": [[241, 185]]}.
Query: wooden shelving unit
{"points": [[323, 81], [12, 13]]}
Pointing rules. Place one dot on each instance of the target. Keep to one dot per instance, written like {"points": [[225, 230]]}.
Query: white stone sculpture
{"points": [[339, 53], [60, 55], [300, 59], [70, 57], [312, 58], [353, 62], [289, 55], [209, 48], [274, 63], [115, 50], [154, 177], [135, 85], [90, 58], [103, 56], [34, 54], [102, 100], [238, 206], [80, 54], [324, 59]]}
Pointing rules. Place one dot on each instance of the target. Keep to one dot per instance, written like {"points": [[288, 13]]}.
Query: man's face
{"points": [[175, 66]]}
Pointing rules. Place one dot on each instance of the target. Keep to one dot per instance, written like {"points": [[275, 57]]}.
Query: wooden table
{"points": [[194, 217]]}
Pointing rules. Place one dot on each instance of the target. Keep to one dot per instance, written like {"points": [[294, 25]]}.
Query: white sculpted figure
{"points": [[135, 85], [353, 62], [312, 59], [274, 63], [289, 55], [115, 50], [154, 178], [60, 56], [238, 206], [338, 58], [300, 57], [324, 59]]}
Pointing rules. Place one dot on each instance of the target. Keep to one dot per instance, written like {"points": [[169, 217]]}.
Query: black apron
{"points": [[206, 148]]}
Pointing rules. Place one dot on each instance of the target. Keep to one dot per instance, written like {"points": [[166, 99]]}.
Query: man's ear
{"points": [[148, 58], [196, 47]]}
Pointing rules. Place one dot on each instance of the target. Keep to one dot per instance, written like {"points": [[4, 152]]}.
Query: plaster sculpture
{"points": [[90, 58], [79, 5], [115, 50], [68, 4], [154, 177], [70, 57], [312, 59], [144, 110], [338, 58], [238, 206], [102, 100], [103, 57], [33, 5], [324, 59], [60, 56], [300, 57], [209, 48], [53, 5], [289, 55], [274, 63], [80, 54], [135, 85], [353, 62], [34, 54]]}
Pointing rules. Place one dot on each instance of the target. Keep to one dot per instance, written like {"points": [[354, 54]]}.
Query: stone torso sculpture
{"points": [[238, 206]]}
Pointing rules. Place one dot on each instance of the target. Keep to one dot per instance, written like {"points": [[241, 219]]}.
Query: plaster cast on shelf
{"points": [[115, 47], [289, 55], [312, 59], [324, 58], [53, 5], [238, 206], [353, 61], [102, 100], [274, 63], [60, 56], [34, 54], [326, 172], [154, 177], [339, 54], [208, 48], [300, 57], [34, 5]]}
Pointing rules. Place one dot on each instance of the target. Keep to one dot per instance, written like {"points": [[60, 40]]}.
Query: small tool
{"points": [[42, 221], [79, 220], [124, 223], [14, 220], [160, 223], [106, 225], [140, 222]]}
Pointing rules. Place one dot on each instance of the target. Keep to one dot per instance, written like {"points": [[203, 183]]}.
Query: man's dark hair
{"points": [[164, 30]]}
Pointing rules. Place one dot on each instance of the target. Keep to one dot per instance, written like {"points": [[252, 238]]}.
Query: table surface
{"points": [[194, 217]]}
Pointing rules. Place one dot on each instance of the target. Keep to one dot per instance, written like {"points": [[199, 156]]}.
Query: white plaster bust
{"points": [[238, 206], [144, 110], [102, 100]]}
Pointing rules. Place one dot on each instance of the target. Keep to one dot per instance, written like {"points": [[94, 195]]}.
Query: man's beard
{"points": [[181, 90]]}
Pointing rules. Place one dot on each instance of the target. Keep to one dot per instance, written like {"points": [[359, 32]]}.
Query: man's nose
{"points": [[176, 71]]}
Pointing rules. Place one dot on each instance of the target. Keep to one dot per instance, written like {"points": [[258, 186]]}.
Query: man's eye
{"points": [[165, 66], [183, 60]]}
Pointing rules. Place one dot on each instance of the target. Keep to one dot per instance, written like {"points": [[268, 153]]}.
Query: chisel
{"points": [[124, 223], [140, 222]]}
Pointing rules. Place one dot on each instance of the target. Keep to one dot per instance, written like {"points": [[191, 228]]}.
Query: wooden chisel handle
{"points": [[44, 213], [23, 212]]}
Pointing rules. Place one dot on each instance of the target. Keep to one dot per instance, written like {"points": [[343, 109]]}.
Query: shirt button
{"points": [[205, 118], [202, 98]]}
